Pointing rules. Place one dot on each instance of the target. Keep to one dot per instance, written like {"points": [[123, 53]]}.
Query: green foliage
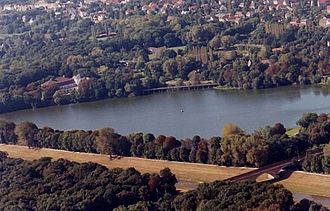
{"points": [[237, 196], [307, 119], [59, 185], [62, 184], [119, 66], [318, 163]]}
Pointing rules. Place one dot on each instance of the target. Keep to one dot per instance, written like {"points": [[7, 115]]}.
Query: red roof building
{"points": [[60, 83]]}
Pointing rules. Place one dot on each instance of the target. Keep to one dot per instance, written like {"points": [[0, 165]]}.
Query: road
{"points": [[272, 169]]}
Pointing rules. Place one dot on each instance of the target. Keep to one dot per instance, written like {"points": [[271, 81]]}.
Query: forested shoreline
{"points": [[235, 148], [64, 185], [126, 54]]}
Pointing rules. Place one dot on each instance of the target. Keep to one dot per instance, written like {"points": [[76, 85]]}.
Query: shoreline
{"points": [[169, 89]]}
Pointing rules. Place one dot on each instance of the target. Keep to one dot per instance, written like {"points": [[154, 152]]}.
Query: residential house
{"points": [[223, 8], [63, 86], [100, 16], [323, 3], [60, 83], [324, 22], [129, 12], [277, 50], [298, 23]]}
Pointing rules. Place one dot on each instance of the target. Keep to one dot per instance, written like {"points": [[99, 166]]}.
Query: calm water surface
{"points": [[204, 113], [184, 114]]}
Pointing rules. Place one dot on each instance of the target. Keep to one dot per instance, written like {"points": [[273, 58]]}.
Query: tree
{"points": [[168, 181], [326, 159], [170, 68], [3, 155], [170, 40], [194, 77], [202, 153], [277, 129], [226, 41], [230, 129], [307, 119], [26, 133], [7, 132], [105, 140], [185, 202], [215, 43]]}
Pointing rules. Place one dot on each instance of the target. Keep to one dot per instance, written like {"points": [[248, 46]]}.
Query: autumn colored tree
{"points": [[105, 140], [231, 129], [26, 133], [194, 77]]}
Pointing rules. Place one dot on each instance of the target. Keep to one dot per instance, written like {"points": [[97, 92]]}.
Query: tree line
{"points": [[235, 148], [64, 185], [234, 55]]}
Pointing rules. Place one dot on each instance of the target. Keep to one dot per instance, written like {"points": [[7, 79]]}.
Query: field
{"points": [[313, 184], [189, 174], [293, 131]]}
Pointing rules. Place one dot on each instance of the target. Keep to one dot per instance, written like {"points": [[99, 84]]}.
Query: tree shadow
{"points": [[282, 175]]}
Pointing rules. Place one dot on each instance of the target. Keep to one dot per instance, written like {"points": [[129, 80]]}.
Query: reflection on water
{"points": [[205, 112]]}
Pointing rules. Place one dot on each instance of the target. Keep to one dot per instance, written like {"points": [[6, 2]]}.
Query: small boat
{"points": [[182, 110]]}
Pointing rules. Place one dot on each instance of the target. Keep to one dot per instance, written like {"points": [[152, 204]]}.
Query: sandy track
{"points": [[189, 174]]}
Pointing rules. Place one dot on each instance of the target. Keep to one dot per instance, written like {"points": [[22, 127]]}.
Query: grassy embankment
{"points": [[189, 174]]}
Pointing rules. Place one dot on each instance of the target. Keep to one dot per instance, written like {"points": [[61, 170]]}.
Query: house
{"points": [[129, 12], [298, 23], [99, 16], [157, 51], [265, 61], [295, 3], [223, 8], [61, 83], [322, 3], [277, 50], [233, 18], [192, 8], [249, 14], [324, 22]]}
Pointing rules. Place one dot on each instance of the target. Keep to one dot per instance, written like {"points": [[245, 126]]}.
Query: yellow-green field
{"points": [[292, 131]]}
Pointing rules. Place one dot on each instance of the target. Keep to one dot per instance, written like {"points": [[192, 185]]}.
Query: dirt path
{"points": [[184, 171], [189, 174]]}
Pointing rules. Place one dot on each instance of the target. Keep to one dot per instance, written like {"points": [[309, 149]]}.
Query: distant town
{"points": [[222, 10]]}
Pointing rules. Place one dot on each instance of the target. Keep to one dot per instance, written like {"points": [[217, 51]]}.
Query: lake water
{"points": [[184, 114]]}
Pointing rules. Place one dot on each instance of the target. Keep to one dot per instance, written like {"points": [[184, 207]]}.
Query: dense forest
{"points": [[64, 185], [153, 50], [235, 148]]}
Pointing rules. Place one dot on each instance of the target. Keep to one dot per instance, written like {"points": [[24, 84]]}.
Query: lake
{"points": [[185, 114]]}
